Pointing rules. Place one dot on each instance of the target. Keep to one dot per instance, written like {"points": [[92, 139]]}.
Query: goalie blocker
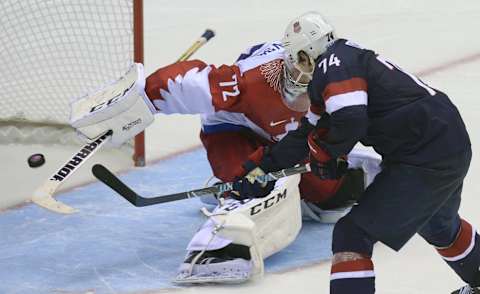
{"points": [[122, 107], [246, 232]]}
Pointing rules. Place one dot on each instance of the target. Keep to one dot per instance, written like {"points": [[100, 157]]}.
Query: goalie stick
{"points": [[207, 35], [43, 195], [112, 181]]}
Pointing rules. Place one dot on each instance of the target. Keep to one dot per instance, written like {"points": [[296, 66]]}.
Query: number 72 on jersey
{"points": [[233, 84]]}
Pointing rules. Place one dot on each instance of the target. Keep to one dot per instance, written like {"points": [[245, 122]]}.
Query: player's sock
{"points": [[467, 290], [351, 277], [463, 255]]}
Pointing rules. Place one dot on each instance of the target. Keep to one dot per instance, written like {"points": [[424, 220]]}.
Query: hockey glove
{"points": [[248, 187], [323, 165]]}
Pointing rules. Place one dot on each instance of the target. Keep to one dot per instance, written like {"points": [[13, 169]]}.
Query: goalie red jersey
{"points": [[241, 107], [246, 94]]}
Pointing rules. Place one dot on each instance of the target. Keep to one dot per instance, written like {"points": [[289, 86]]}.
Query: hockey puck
{"points": [[36, 160]]}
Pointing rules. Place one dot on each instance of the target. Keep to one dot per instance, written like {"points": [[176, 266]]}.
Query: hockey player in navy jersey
{"points": [[358, 96]]}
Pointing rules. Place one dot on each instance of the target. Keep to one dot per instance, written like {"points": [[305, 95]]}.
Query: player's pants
{"points": [[403, 200]]}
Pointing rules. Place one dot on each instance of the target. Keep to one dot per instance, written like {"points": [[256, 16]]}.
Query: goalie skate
{"points": [[467, 290], [214, 267]]}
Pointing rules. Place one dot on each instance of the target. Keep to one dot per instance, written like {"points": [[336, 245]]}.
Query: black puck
{"points": [[36, 160]]}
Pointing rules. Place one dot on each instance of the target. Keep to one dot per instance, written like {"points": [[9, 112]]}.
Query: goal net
{"points": [[52, 51]]}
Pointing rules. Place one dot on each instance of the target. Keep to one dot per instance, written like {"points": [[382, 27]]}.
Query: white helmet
{"points": [[310, 33]]}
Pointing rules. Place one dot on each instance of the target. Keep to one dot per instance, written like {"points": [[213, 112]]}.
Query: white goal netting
{"points": [[52, 51]]}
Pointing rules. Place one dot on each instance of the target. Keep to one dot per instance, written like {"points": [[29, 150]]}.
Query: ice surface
{"points": [[111, 246]]}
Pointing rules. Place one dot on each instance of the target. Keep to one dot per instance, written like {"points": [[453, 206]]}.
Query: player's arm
{"points": [[347, 126], [127, 106], [193, 87], [340, 90], [292, 149]]}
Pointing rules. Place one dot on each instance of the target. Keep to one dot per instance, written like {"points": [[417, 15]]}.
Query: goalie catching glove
{"points": [[122, 107]]}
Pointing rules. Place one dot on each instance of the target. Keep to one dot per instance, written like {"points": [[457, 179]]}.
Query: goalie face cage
{"points": [[56, 50]]}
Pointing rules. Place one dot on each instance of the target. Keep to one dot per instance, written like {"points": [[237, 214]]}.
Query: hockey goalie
{"points": [[245, 108]]}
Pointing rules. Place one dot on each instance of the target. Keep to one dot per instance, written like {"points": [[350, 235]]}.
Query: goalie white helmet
{"points": [[306, 38]]}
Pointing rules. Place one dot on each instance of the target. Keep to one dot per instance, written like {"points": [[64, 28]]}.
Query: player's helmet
{"points": [[306, 37]]}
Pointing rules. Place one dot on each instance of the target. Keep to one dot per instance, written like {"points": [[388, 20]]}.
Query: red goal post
{"points": [[139, 142], [53, 51]]}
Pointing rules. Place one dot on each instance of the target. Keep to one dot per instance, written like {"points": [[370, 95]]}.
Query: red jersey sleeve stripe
{"points": [[342, 87], [462, 246]]}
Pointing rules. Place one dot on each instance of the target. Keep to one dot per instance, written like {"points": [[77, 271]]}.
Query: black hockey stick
{"points": [[111, 180]]}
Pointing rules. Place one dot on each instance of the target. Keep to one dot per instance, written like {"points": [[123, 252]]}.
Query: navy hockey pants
{"points": [[405, 199]]}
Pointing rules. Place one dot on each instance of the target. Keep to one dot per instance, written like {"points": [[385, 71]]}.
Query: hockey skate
{"points": [[227, 265], [467, 290]]}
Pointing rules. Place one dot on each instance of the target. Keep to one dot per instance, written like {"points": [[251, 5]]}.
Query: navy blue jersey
{"points": [[373, 101]]}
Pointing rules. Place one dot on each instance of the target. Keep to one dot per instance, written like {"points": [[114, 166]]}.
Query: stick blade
{"points": [[44, 199], [109, 179]]}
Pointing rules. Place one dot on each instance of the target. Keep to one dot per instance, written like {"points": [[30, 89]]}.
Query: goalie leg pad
{"points": [[264, 225]]}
